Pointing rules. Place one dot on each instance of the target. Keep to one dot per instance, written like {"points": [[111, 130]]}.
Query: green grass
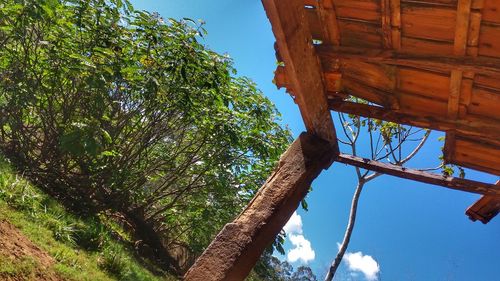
{"points": [[24, 268], [81, 247]]}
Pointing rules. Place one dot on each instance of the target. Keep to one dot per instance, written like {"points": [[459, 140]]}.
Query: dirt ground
{"points": [[16, 247]]}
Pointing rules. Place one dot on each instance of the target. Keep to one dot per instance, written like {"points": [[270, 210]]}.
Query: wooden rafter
{"points": [[303, 70], [328, 18], [488, 66], [459, 49], [457, 76], [420, 176], [485, 209], [385, 8], [396, 24], [480, 129]]}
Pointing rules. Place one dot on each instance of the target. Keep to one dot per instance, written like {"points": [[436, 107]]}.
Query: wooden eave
{"points": [[429, 64]]}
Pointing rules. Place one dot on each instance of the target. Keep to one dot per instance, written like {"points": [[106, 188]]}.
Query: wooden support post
{"points": [[420, 176], [303, 70], [236, 249]]}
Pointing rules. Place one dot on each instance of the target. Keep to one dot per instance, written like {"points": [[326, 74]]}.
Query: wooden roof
{"points": [[432, 64]]}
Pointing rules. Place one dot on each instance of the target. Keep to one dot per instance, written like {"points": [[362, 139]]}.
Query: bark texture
{"points": [[239, 245]]}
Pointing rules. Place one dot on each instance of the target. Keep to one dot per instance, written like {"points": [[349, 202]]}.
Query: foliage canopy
{"points": [[116, 110]]}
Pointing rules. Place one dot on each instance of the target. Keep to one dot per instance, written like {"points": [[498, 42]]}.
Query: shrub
{"points": [[113, 260], [91, 235]]}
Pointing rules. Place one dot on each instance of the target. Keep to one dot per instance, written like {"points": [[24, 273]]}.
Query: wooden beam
{"points": [[485, 209], [236, 249], [483, 65], [328, 17], [294, 41], [456, 77], [396, 24], [459, 49], [416, 175], [462, 27], [487, 130], [385, 7]]}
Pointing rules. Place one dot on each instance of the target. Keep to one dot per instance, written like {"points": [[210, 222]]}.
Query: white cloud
{"points": [[363, 263], [294, 224], [302, 249]]}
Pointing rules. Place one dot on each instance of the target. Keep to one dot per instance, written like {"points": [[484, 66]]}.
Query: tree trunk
{"points": [[145, 232], [348, 232]]}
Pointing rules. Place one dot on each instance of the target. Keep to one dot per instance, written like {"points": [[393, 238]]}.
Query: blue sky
{"points": [[412, 231]]}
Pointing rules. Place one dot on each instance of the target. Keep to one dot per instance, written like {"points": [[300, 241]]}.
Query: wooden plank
{"points": [[374, 75], [485, 103], [454, 96], [431, 3], [361, 10], [236, 249], [358, 33], [476, 154], [422, 105], [477, 4], [386, 16], [462, 27], [487, 66], [359, 89], [428, 22], [481, 129], [420, 176], [422, 46], [315, 25], [426, 83], [485, 209], [491, 12], [489, 43], [328, 17], [465, 97], [302, 66], [396, 24], [473, 38], [459, 49], [449, 148], [488, 82]]}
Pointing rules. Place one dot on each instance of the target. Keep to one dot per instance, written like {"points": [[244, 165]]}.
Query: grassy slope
{"points": [[81, 247]]}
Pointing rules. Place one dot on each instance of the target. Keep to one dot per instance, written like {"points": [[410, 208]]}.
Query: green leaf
{"points": [[304, 204], [107, 136]]}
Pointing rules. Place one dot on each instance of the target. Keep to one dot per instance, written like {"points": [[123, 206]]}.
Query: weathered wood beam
{"points": [[328, 17], [485, 209], [457, 76], [236, 249], [385, 7], [481, 129], [303, 70], [396, 24], [420, 176], [329, 54]]}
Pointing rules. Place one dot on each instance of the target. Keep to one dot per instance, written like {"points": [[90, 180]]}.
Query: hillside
{"points": [[40, 240]]}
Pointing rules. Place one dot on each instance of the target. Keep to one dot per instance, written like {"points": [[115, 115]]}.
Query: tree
{"points": [[120, 112], [388, 142], [270, 268]]}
